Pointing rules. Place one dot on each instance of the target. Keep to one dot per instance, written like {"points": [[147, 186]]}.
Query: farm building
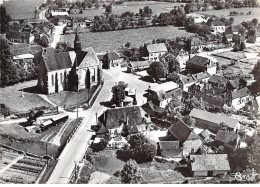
{"points": [[214, 122], [209, 165]]}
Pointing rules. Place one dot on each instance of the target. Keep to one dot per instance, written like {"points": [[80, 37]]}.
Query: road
{"points": [[76, 148], [58, 30]]}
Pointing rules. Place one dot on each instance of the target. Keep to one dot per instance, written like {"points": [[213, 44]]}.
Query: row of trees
{"points": [[12, 73], [4, 23]]}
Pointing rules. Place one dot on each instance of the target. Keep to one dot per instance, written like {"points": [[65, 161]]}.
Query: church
{"points": [[72, 70]]}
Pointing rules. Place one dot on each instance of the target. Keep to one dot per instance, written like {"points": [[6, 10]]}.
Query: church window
{"points": [[60, 77], [52, 80]]}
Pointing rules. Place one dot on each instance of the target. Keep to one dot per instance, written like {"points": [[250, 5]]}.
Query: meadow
{"points": [[113, 40], [237, 19], [157, 7]]}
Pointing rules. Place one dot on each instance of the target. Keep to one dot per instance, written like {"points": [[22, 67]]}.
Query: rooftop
{"points": [[167, 86], [226, 137], [243, 92], [218, 79], [180, 131], [214, 118], [169, 145], [153, 48], [199, 61], [200, 76], [210, 162], [137, 64]]}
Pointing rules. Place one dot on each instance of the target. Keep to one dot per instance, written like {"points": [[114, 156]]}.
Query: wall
{"points": [[212, 70], [157, 55], [200, 173]]}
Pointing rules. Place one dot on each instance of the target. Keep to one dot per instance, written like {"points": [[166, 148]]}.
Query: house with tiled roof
{"points": [[156, 51], [20, 37], [179, 131], [218, 82], [199, 64], [74, 9], [229, 140], [214, 122], [70, 70], [217, 27], [111, 60], [195, 44], [76, 22], [201, 76], [240, 97], [134, 66], [185, 81], [192, 144], [208, 165], [170, 149], [122, 120]]}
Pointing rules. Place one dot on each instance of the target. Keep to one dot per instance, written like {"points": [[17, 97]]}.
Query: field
{"points": [[11, 97], [237, 19], [18, 168], [20, 9], [231, 55], [157, 8], [113, 40]]}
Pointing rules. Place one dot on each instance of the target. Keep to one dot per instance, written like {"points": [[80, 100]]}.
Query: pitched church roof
{"points": [[56, 61]]}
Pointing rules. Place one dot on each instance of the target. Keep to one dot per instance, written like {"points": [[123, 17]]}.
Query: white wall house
{"points": [[156, 51]]}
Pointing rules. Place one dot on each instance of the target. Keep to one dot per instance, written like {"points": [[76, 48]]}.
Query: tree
{"points": [[5, 19], [254, 152], [130, 173], [174, 109], [189, 120], [108, 9], [118, 93], [188, 8], [44, 42], [173, 77], [255, 21], [142, 150], [157, 70], [242, 46], [242, 30], [62, 47], [172, 64]]}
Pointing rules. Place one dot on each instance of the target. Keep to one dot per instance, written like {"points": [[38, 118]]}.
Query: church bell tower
{"points": [[77, 44]]}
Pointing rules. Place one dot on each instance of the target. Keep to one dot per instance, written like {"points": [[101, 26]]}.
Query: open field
{"points": [[71, 98], [20, 9], [230, 55], [11, 97], [113, 40], [157, 7], [237, 19]]}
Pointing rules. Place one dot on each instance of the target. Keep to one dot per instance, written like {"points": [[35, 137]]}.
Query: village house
{"points": [[185, 81], [163, 93], [76, 22], [198, 18], [111, 60], [229, 140], [214, 122], [253, 106], [52, 8], [218, 82], [134, 66], [201, 77], [156, 51], [189, 140], [170, 149], [217, 27], [72, 70], [208, 165], [240, 97], [195, 44], [20, 37], [199, 64], [122, 121], [74, 9]]}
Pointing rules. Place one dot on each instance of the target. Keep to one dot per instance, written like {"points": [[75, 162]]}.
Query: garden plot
{"points": [[25, 170], [7, 158]]}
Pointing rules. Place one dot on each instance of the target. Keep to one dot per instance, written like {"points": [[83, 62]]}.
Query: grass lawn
{"points": [[157, 7], [113, 40], [11, 97], [237, 19], [71, 98], [162, 176]]}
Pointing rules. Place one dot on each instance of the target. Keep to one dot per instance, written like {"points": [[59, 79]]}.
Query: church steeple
{"points": [[77, 44]]}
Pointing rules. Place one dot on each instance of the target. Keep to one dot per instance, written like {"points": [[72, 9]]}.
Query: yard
{"points": [[11, 96], [157, 7], [71, 98], [113, 40], [237, 19], [43, 143]]}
